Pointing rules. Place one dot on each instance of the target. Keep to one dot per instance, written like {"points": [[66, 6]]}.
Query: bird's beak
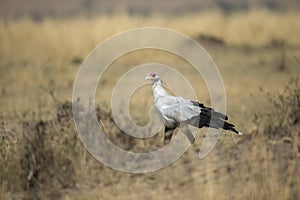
{"points": [[148, 78]]}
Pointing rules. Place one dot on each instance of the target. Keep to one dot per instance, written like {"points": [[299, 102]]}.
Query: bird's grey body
{"points": [[174, 110]]}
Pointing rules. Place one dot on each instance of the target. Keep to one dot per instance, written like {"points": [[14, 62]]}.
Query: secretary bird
{"points": [[176, 111]]}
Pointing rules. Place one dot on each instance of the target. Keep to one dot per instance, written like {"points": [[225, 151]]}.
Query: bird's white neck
{"points": [[158, 90]]}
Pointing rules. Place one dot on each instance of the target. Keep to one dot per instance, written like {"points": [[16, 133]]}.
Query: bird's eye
{"points": [[153, 75]]}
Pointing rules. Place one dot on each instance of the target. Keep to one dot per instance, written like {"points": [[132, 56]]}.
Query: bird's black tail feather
{"points": [[210, 118], [230, 127]]}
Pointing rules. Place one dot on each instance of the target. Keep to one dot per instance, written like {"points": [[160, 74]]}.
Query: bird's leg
{"points": [[168, 134], [188, 133]]}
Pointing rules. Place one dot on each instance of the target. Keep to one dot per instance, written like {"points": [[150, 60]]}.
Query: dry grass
{"points": [[41, 155], [49, 52]]}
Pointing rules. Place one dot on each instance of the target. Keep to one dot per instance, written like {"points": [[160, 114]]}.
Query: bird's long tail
{"points": [[230, 127], [210, 118]]}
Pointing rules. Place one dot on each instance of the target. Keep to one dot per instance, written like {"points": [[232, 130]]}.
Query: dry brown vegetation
{"points": [[42, 157]]}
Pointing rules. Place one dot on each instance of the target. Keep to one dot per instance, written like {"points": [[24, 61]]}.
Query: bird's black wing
{"points": [[209, 110], [210, 118]]}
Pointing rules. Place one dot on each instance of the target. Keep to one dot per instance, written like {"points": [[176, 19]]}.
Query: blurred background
{"points": [[40, 9], [256, 46]]}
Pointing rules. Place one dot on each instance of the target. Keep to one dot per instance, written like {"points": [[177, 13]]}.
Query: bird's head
{"points": [[153, 77]]}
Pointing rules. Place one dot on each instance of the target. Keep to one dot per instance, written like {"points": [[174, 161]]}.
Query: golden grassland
{"points": [[36, 53], [261, 50]]}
